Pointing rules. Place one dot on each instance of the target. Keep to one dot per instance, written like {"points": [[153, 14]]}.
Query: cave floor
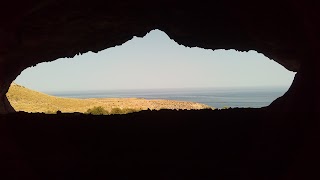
{"points": [[165, 144]]}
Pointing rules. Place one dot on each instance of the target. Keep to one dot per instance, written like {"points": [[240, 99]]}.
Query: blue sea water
{"points": [[215, 97]]}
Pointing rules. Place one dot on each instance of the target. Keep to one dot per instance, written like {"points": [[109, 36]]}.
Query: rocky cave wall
{"points": [[285, 31]]}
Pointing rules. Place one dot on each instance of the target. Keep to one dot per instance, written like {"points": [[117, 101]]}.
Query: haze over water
{"points": [[214, 97]]}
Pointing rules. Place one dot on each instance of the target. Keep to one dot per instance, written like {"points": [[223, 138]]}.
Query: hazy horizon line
{"points": [[171, 88]]}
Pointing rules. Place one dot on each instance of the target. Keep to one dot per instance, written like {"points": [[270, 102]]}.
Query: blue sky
{"points": [[152, 62]]}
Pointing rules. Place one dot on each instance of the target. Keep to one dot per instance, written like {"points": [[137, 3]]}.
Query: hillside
{"points": [[24, 99]]}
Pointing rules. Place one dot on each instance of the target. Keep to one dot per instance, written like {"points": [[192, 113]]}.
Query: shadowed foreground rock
{"points": [[204, 144]]}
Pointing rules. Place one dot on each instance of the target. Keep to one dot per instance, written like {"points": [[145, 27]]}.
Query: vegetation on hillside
{"points": [[101, 111], [24, 99]]}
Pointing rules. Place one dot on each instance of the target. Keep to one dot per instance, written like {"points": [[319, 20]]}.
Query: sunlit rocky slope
{"points": [[24, 99]]}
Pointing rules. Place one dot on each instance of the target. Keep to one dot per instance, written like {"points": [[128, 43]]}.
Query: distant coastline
{"points": [[215, 97], [24, 99]]}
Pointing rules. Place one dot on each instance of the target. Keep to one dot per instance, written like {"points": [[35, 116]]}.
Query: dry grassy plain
{"points": [[24, 99]]}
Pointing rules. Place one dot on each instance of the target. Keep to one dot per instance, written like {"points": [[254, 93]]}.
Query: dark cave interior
{"points": [[280, 141]]}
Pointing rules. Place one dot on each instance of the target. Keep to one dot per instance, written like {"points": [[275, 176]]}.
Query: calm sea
{"points": [[215, 97]]}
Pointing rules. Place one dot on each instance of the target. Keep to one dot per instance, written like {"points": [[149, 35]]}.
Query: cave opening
{"points": [[277, 142], [156, 67]]}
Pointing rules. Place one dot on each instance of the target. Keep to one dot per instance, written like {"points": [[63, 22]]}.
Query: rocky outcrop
{"points": [[285, 31], [303, 95], [7, 74]]}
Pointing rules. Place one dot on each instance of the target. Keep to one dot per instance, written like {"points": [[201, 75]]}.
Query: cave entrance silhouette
{"points": [[156, 67], [225, 144]]}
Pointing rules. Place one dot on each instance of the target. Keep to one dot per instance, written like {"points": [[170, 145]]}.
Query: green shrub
{"points": [[97, 111], [129, 110], [116, 111], [122, 111], [50, 112], [101, 111], [226, 107]]}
